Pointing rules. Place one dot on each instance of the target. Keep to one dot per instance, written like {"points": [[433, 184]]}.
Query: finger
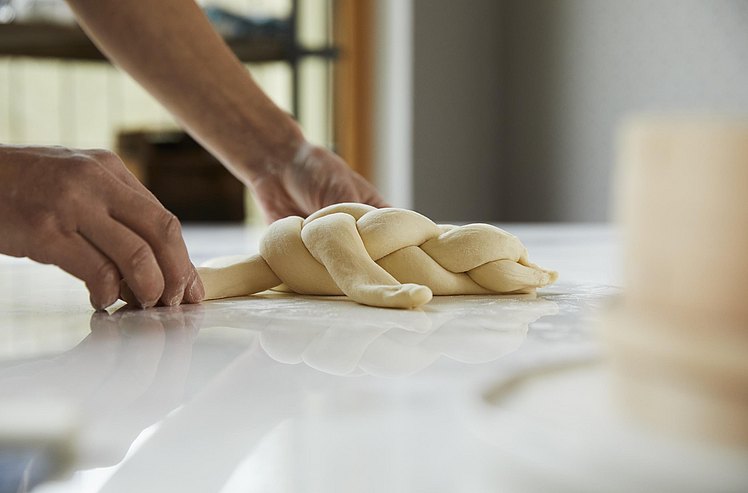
{"points": [[126, 294], [370, 195], [190, 296], [172, 261], [195, 291], [162, 232], [77, 256], [130, 253], [276, 201]]}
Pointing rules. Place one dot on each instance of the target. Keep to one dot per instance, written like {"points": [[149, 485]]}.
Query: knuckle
{"points": [[46, 252], [171, 227], [72, 182], [104, 156], [105, 273], [52, 230], [140, 257], [83, 163], [51, 224], [45, 223]]}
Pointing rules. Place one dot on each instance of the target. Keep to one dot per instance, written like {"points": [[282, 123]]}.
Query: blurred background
{"points": [[491, 110]]}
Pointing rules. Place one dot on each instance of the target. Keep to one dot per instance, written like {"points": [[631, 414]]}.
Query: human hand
{"points": [[83, 211], [229, 115], [314, 179]]}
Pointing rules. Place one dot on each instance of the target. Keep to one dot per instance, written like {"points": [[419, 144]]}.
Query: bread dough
{"points": [[389, 257]]}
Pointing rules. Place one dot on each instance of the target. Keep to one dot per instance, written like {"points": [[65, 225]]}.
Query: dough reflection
{"points": [[342, 338], [224, 376]]}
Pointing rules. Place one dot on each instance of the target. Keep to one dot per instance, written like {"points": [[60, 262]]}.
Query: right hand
{"points": [[314, 179], [85, 212]]}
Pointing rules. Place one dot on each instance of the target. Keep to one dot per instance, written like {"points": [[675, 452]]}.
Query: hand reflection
{"points": [[125, 375]]}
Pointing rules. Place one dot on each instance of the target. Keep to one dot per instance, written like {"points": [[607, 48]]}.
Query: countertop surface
{"points": [[281, 393]]}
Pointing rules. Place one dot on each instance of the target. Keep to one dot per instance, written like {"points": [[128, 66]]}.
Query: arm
{"points": [[171, 49]]}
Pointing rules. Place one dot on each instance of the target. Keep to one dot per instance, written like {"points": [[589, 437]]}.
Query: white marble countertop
{"points": [[276, 393]]}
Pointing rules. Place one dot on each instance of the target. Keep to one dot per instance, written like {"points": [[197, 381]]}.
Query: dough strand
{"points": [[392, 258]]}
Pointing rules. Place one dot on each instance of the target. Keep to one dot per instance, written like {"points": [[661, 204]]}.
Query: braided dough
{"points": [[392, 258]]}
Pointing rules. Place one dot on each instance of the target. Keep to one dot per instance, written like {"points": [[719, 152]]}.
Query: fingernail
{"points": [[100, 304], [96, 303], [148, 304], [174, 301]]}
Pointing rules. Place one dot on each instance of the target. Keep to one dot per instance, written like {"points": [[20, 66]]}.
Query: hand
{"points": [[220, 104], [83, 211], [314, 179]]}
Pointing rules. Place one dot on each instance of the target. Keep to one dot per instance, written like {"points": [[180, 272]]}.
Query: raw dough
{"points": [[389, 257]]}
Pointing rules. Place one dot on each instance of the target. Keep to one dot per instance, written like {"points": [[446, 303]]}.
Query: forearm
{"points": [[171, 49]]}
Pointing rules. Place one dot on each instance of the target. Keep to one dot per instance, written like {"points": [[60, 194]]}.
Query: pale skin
{"points": [[83, 211]]}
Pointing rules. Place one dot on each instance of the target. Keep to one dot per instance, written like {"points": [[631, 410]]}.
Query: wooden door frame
{"points": [[353, 87]]}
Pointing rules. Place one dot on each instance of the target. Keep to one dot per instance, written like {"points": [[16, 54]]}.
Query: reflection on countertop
{"points": [[284, 393], [135, 367], [338, 337]]}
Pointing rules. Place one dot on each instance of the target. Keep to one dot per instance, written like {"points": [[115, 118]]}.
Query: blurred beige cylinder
{"points": [[679, 335], [683, 204]]}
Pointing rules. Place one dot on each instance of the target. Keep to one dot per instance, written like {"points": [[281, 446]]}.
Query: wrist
{"points": [[272, 147]]}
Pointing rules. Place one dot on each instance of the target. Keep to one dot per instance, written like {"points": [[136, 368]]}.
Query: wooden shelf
{"points": [[46, 41], [39, 40]]}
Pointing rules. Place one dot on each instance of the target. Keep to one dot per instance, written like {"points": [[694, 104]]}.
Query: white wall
{"points": [[393, 88], [576, 67], [516, 102], [457, 109]]}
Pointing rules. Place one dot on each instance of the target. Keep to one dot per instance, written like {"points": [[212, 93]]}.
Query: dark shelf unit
{"points": [[61, 42], [38, 40]]}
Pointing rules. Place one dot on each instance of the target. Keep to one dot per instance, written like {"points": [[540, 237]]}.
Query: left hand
{"points": [[314, 179]]}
